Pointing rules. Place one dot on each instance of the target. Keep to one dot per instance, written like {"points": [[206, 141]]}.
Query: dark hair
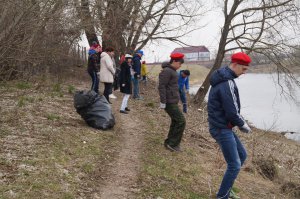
{"points": [[186, 72], [109, 49], [177, 60]]}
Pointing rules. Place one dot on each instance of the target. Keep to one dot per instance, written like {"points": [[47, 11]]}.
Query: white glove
{"points": [[162, 106], [245, 128], [123, 85]]}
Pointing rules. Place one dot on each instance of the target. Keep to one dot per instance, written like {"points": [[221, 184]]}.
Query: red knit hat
{"points": [[241, 58]]}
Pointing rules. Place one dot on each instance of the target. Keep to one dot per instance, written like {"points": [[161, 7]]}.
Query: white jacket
{"points": [[107, 70]]}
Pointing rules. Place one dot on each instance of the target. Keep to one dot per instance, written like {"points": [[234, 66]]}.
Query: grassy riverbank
{"points": [[48, 151]]}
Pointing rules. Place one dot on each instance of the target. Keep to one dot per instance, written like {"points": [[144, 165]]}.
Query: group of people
{"points": [[102, 68], [223, 101], [223, 112]]}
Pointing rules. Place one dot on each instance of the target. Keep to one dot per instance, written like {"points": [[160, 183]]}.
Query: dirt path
{"points": [[120, 182]]}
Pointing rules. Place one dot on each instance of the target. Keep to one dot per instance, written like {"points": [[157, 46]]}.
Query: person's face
{"points": [[239, 69], [112, 54], [183, 75], [129, 60], [176, 64]]}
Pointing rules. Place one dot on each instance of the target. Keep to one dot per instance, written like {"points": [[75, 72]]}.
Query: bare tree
{"points": [[262, 26], [130, 24], [87, 21]]}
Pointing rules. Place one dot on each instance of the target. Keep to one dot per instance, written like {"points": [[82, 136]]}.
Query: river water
{"points": [[264, 106]]}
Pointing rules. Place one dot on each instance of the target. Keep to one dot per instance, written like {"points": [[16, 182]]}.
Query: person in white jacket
{"points": [[107, 71]]}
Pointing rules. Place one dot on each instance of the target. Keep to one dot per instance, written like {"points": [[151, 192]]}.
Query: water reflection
{"points": [[265, 107]]}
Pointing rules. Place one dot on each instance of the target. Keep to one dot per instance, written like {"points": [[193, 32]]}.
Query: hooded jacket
{"points": [[223, 100], [168, 85]]}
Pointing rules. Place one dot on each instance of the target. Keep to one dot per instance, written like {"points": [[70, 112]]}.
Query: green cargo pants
{"points": [[177, 125]]}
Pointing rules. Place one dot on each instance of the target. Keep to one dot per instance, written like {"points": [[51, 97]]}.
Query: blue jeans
{"points": [[183, 100], [136, 89], [95, 81], [234, 154]]}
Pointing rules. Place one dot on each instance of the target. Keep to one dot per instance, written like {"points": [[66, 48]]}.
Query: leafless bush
{"points": [[36, 36]]}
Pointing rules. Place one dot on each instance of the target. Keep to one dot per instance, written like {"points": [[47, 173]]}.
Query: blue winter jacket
{"points": [[183, 82], [136, 65], [223, 100]]}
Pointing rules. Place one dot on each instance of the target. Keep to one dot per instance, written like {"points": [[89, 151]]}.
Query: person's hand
{"points": [[138, 76], [123, 85], [162, 106], [187, 91], [245, 128], [98, 74]]}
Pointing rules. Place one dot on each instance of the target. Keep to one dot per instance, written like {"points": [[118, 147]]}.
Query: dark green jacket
{"points": [[168, 85]]}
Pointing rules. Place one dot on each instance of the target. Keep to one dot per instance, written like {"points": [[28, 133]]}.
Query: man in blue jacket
{"points": [[136, 66], [224, 114], [183, 81]]}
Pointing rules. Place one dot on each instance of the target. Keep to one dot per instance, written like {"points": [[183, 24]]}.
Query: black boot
{"points": [[124, 112]]}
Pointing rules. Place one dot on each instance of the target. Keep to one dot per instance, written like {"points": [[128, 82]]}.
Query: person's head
{"points": [[143, 62], [140, 53], [185, 73], [110, 51], [239, 63], [176, 60], [128, 58]]}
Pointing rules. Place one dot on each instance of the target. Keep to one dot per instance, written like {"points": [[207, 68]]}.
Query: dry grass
{"points": [[47, 150]]}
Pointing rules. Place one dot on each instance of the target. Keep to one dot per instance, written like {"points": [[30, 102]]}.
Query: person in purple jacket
{"points": [[224, 114]]}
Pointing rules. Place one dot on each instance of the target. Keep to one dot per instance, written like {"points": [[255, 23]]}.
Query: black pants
{"points": [[107, 90]]}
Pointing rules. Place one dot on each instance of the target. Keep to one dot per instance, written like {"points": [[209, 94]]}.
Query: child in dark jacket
{"points": [[125, 82]]}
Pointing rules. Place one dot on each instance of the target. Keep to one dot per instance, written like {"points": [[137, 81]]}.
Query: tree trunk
{"points": [[202, 91], [87, 22]]}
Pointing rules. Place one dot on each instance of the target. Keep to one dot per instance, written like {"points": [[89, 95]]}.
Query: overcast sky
{"points": [[208, 36]]}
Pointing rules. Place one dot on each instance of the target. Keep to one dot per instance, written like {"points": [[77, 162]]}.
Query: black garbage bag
{"points": [[94, 109]]}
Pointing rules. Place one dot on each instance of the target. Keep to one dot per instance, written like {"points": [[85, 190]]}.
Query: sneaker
{"points": [[112, 96], [127, 109], [139, 98], [124, 112], [177, 148], [173, 149], [233, 195]]}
